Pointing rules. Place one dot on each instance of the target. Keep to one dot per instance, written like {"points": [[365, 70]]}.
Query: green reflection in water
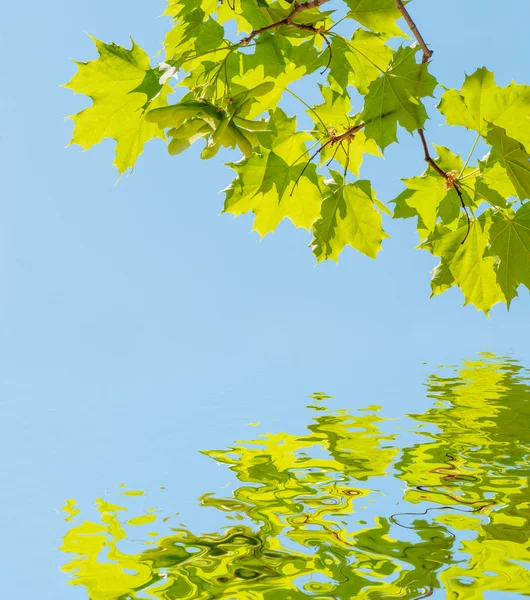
{"points": [[454, 521]]}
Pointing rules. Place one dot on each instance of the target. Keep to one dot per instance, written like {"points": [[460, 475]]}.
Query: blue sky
{"points": [[139, 326]]}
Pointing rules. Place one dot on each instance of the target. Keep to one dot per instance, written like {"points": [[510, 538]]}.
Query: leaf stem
{"points": [[469, 175], [470, 155], [307, 106]]}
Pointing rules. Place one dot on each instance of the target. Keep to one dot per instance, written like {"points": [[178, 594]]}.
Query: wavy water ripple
{"points": [[454, 521]]}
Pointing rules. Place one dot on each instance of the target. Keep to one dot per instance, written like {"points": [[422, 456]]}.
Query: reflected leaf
{"points": [[345, 510]]}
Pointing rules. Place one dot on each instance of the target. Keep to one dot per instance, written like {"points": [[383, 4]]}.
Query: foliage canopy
{"points": [[232, 61]]}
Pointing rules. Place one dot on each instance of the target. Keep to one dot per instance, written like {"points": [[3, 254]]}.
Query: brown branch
{"points": [[330, 56], [428, 158], [450, 179], [298, 8], [333, 139], [463, 204], [415, 31], [336, 139]]}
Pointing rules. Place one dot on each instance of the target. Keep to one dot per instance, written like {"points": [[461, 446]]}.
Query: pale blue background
{"points": [[137, 326]]}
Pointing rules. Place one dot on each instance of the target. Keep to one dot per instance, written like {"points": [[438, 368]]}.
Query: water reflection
{"points": [[310, 519]]}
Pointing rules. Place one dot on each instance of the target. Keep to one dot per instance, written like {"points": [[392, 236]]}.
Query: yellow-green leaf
{"points": [[271, 183], [510, 247], [513, 157], [395, 98], [117, 110], [481, 102], [378, 15], [348, 218], [467, 260]]}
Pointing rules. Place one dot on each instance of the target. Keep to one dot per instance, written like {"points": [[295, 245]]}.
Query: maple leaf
{"points": [[512, 156], [427, 198], [358, 61], [510, 247], [378, 15], [348, 218], [395, 98], [482, 102], [333, 112], [265, 184], [466, 264], [495, 178], [194, 32], [254, 77], [116, 83]]}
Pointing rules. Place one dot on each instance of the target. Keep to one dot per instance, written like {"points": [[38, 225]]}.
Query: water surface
{"points": [[356, 505]]}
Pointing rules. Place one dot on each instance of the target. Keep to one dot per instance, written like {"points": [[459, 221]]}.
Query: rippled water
{"points": [[358, 506]]}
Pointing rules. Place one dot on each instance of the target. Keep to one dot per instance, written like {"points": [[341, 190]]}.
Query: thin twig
{"points": [[450, 181], [330, 57], [428, 158], [426, 52], [308, 107], [348, 133], [298, 8], [332, 156], [333, 139], [459, 192], [347, 159], [308, 163]]}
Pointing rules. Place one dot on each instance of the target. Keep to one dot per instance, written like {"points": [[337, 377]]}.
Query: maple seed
{"points": [[452, 176]]}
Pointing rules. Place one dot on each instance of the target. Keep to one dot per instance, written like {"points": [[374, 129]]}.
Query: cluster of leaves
{"points": [[233, 63]]}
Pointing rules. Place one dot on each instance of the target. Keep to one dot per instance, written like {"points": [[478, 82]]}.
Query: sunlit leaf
{"points": [[114, 83], [348, 218], [395, 98]]}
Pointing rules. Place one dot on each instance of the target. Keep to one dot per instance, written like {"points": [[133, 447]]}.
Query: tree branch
{"points": [[415, 31], [451, 179], [428, 158], [298, 8]]}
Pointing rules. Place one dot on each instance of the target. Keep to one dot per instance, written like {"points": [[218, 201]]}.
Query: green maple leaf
{"points": [[333, 112], [182, 8], [114, 82], [495, 177], [370, 57], [428, 195], [482, 102], [442, 278], [358, 61], [431, 199], [395, 98], [262, 14], [378, 15], [466, 264], [348, 218], [265, 184], [510, 247], [512, 156], [275, 53], [193, 32], [491, 196], [254, 77]]}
